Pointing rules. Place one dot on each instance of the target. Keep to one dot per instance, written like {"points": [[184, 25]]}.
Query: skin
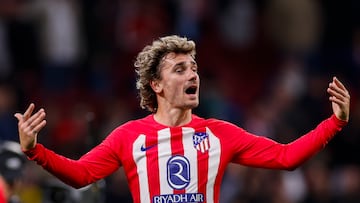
{"points": [[178, 72]]}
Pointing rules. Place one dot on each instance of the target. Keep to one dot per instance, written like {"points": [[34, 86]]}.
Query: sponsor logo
{"points": [[201, 141], [178, 172], [143, 148], [179, 198]]}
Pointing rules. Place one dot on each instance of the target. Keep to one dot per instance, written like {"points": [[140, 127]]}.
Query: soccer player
{"points": [[172, 155]]}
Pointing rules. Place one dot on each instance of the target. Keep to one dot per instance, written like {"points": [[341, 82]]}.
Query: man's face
{"points": [[179, 83]]}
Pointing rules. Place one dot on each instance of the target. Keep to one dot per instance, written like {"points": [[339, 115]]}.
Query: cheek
{"points": [[173, 88]]}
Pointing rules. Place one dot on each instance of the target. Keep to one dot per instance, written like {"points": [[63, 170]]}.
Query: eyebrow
{"points": [[183, 63]]}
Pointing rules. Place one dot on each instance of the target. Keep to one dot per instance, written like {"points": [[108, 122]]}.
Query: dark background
{"points": [[264, 65]]}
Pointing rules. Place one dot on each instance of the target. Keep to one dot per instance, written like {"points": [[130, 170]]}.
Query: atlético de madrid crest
{"points": [[201, 141]]}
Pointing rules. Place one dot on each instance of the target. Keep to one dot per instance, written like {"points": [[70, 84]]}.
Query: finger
{"points": [[26, 125], [36, 120], [34, 117], [33, 127], [337, 101], [336, 87], [29, 111], [29, 125], [338, 83], [336, 94], [341, 86], [38, 127], [19, 117]]}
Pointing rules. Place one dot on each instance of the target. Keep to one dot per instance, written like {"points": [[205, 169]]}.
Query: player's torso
{"points": [[179, 164]]}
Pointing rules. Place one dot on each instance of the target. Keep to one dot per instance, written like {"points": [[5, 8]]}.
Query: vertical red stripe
{"points": [[203, 159], [133, 185], [152, 165], [202, 171], [177, 147]]}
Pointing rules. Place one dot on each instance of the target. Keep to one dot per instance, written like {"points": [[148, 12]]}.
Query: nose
{"points": [[193, 75]]}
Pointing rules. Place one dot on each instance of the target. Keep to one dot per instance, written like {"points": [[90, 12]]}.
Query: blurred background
{"points": [[264, 65]]}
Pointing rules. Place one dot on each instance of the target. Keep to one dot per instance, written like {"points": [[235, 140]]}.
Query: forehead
{"points": [[172, 59]]}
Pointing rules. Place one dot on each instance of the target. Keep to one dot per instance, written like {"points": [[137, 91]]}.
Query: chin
{"points": [[193, 105]]}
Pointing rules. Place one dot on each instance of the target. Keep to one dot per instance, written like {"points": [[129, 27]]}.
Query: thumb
{"points": [[19, 116]]}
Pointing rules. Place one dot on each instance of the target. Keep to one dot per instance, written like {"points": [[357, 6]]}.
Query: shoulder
{"points": [[128, 131], [135, 125], [214, 123]]}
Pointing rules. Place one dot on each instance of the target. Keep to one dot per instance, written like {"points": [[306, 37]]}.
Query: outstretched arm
{"points": [[266, 153], [340, 99], [94, 165], [29, 126]]}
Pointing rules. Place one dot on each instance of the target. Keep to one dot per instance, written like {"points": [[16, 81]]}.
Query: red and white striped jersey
{"points": [[181, 164]]}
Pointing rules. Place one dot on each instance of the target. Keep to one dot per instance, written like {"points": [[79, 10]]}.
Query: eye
{"points": [[179, 70]]}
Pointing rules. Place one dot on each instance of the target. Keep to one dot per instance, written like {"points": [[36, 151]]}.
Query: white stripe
{"points": [[202, 147], [140, 161], [164, 153], [191, 154], [206, 141], [214, 161]]}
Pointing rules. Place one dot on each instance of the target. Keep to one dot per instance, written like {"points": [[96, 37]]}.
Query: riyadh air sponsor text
{"points": [[179, 198]]}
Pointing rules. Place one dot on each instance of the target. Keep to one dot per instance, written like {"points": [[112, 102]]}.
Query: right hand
{"points": [[29, 126], [340, 99]]}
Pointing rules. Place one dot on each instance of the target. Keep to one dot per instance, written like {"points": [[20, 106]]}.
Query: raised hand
{"points": [[29, 125], [340, 99]]}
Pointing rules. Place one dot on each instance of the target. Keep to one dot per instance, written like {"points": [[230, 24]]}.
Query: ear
{"points": [[156, 86]]}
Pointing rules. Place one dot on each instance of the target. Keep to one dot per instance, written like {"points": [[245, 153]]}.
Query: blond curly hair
{"points": [[148, 64]]}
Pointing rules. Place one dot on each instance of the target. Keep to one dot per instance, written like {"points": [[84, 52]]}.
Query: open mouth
{"points": [[191, 90]]}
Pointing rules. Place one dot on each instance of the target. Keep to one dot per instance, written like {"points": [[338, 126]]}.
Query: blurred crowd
{"points": [[264, 65]]}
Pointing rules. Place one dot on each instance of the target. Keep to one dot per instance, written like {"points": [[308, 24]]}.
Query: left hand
{"points": [[29, 125], [340, 99]]}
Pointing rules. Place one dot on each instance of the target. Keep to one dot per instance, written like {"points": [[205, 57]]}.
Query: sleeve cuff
{"points": [[339, 123], [31, 153]]}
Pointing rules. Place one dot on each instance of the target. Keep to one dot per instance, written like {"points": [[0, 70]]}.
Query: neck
{"points": [[174, 117]]}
